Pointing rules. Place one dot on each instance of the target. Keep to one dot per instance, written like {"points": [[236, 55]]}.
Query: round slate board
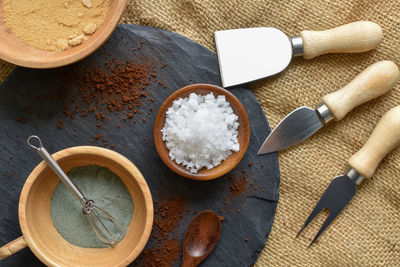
{"points": [[188, 62]]}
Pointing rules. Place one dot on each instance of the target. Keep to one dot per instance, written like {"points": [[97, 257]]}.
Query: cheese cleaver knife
{"points": [[301, 123], [246, 55], [384, 138]]}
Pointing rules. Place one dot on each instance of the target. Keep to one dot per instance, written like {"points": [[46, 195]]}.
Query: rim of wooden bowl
{"points": [[110, 155], [243, 133], [11, 49]]}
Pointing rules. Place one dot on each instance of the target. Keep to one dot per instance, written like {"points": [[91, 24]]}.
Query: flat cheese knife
{"points": [[250, 54], [384, 138], [301, 123]]}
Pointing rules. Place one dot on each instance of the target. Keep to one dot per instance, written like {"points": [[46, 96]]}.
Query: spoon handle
{"points": [[189, 261], [57, 169]]}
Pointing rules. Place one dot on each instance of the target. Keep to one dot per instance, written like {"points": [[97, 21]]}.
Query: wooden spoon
{"points": [[201, 237]]}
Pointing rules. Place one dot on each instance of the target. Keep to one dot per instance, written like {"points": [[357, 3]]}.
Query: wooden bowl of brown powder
{"points": [[54, 33]]}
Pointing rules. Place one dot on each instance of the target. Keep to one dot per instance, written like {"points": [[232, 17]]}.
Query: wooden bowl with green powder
{"points": [[49, 215], [54, 33]]}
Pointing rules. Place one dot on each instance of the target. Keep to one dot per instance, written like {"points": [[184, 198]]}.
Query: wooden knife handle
{"points": [[374, 81], [384, 138], [354, 37]]}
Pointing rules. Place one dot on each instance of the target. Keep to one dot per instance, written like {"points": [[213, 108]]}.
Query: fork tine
{"points": [[331, 217], [320, 206], [339, 192]]}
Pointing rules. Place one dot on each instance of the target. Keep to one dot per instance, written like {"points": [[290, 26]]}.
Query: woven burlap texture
{"points": [[367, 232]]}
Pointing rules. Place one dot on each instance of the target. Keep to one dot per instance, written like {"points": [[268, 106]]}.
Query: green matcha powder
{"points": [[108, 192]]}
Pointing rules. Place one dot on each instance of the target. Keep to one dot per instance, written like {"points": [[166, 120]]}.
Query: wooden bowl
{"points": [[42, 237], [243, 132], [17, 52]]}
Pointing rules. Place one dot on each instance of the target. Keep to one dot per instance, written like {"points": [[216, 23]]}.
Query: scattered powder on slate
{"points": [[237, 186], [200, 131], [116, 86], [166, 248], [108, 192]]}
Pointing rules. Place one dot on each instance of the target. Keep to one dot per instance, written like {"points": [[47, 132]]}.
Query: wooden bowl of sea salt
{"points": [[40, 234], [201, 136]]}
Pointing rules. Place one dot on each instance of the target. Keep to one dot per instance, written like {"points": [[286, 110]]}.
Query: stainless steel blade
{"points": [[250, 54], [339, 192], [293, 129]]}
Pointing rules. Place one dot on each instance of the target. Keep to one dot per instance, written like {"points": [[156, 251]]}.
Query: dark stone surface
{"points": [[188, 62]]}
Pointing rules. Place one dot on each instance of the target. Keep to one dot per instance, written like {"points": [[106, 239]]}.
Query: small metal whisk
{"points": [[89, 208]]}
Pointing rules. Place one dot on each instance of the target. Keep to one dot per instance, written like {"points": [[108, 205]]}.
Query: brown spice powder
{"points": [[237, 186], [119, 86], [166, 249], [53, 25]]}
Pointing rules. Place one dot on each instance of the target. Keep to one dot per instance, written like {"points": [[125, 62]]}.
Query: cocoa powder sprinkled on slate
{"points": [[117, 85], [237, 187], [162, 84], [166, 248]]}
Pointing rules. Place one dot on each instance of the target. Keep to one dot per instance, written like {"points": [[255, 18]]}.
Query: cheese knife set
{"points": [[247, 55]]}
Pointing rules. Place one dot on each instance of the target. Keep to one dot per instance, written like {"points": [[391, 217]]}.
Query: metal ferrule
{"points": [[354, 176], [297, 45], [324, 112], [88, 206]]}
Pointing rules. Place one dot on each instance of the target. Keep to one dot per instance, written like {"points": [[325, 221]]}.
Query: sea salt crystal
{"points": [[200, 131]]}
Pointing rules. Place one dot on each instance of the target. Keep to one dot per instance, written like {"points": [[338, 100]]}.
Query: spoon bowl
{"points": [[201, 237]]}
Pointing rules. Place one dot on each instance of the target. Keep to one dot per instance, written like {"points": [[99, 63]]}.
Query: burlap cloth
{"points": [[367, 232]]}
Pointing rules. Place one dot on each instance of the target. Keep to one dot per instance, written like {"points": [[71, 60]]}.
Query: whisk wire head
{"points": [[101, 229]]}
